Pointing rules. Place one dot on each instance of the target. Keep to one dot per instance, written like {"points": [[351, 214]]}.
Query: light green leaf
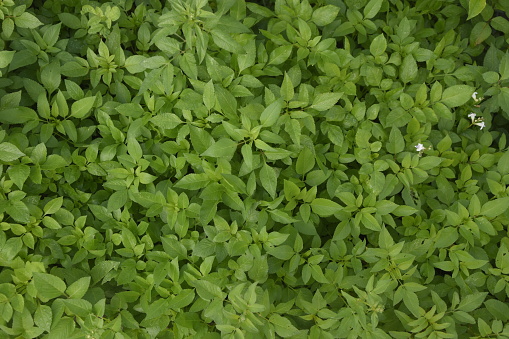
{"points": [[325, 207], [166, 120], [53, 205], [182, 299], [81, 108], [48, 286], [472, 301], [408, 69], [271, 113], [325, 101], [280, 55], [283, 326], [268, 179], [225, 41], [18, 211], [27, 20], [193, 181], [372, 8], [456, 95], [9, 152], [494, 208], [222, 148], [325, 15], [378, 45], [18, 115], [6, 58], [78, 288], [305, 161], [475, 7]]}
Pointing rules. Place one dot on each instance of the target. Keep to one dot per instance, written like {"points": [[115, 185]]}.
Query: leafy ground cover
{"points": [[233, 169]]}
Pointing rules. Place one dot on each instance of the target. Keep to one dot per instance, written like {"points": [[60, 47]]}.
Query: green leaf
{"points": [[81, 108], [378, 45], [287, 91], [499, 309], [271, 113], [207, 290], [222, 148], [79, 307], [43, 317], [408, 68], [225, 41], [18, 211], [209, 96], [325, 207], [117, 200], [325, 101], [53, 205], [280, 55], [494, 208], [472, 301], [48, 286], [305, 161], [166, 120], [372, 8], [27, 20], [475, 7], [283, 326], [6, 58], [193, 181], [325, 15], [18, 174], [157, 309], [268, 179], [182, 299], [9, 152], [396, 142], [78, 288], [457, 95], [18, 115]]}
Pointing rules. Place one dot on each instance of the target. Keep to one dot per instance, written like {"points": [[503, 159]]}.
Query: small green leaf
{"points": [[18, 115], [494, 208], [6, 58], [48, 286], [80, 108], [408, 68], [378, 45], [27, 20], [182, 299], [78, 288], [457, 95], [325, 207], [166, 120], [305, 161], [271, 113], [9, 152], [283, 326], [280, 55], [325, 15], [222, 148], [372, 8], [193, 181], [53, 205], [475, 7], [472, 301], [268, 179], [325, 101]]}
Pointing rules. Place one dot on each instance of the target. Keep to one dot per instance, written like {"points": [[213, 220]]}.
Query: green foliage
{"points": [[266, 169]]}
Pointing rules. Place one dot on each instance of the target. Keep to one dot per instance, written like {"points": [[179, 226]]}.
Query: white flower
{"points": [[472, 116], [420, 147], [474, 96], [480, 124]]}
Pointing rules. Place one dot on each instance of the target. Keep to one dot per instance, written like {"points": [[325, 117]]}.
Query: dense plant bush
{"points": [[296, 169]]}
